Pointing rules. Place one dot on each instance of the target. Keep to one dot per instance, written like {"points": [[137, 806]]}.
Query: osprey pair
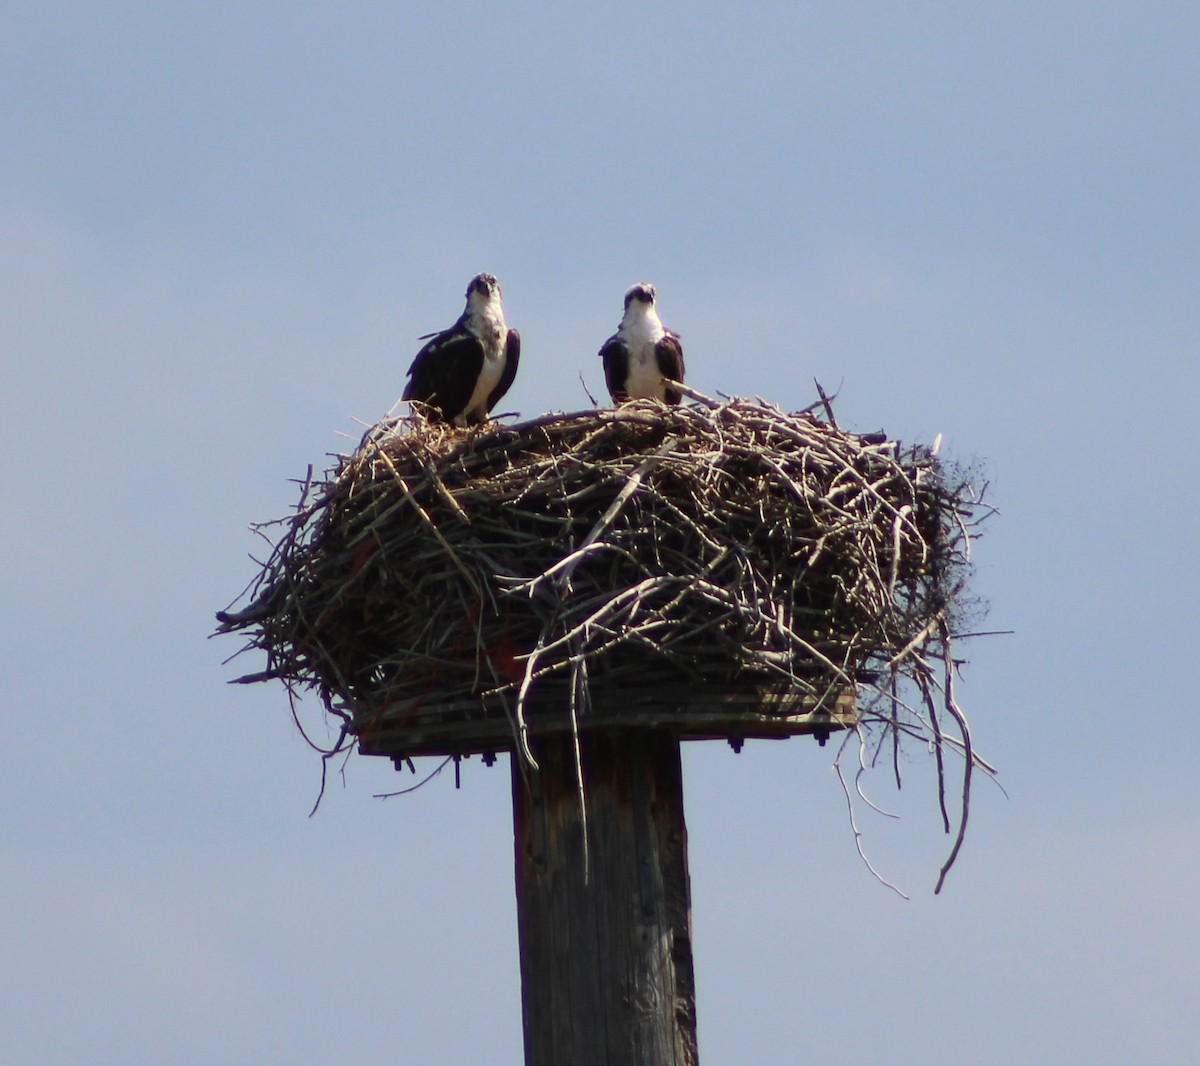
{"points": [[462, 373]]}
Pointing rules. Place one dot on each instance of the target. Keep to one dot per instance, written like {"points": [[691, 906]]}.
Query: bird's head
{"points": [[483, 289], [642, 293]]}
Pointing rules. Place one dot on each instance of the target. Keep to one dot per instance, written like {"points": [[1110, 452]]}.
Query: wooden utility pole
{"points": [[605, 939]]}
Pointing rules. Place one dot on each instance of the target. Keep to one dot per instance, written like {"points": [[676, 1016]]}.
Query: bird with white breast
{"points": [[643, 355], [462, 373]]}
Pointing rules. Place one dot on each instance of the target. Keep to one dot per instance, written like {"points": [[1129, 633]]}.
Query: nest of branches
{"points": [[713, 542], [716, 543]]}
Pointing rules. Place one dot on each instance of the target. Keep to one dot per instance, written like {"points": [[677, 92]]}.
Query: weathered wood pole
{"points": [[606, 951]]}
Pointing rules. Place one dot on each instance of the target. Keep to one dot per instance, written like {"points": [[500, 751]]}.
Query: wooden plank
{"points": [[474, 727], [606, 956]]}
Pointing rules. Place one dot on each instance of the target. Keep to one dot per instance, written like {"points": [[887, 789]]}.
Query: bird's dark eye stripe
{"points": [[643, 291]]}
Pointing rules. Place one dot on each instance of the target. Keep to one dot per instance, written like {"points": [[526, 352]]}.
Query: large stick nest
{"points": [[646, 548], [714, 542]]}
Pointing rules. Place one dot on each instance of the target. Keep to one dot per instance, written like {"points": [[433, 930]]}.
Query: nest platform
{"points": [[720, 569]]}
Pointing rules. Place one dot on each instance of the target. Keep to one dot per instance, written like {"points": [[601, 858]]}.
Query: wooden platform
{"points": [[693, 712]]}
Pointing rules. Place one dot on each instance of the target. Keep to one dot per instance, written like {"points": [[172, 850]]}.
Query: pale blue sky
{"points": [[222, 229]]}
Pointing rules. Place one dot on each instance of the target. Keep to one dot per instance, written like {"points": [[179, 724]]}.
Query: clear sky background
{"points": [[223, 227]]}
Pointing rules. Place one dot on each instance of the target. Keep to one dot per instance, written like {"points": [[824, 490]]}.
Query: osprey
{"points": [[642, 353], [463, 371]]}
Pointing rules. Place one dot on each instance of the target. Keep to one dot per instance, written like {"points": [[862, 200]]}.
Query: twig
{"points": [[837, 766], [420, 784], [968, 755]]}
